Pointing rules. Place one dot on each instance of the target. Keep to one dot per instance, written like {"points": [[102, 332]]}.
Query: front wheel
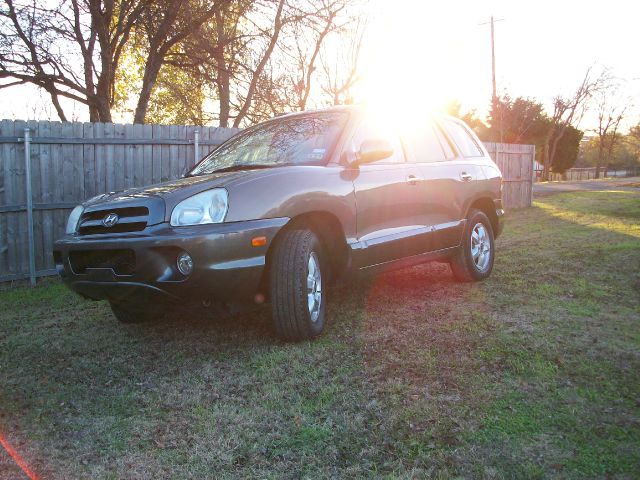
{"points": [[474, 259], [298, 286]]}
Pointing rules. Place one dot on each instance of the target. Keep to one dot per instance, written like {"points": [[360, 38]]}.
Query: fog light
{"points": [[185, 263]]}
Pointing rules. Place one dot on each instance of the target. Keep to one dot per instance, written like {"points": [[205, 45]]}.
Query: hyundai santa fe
{"points": [[283, 209]]}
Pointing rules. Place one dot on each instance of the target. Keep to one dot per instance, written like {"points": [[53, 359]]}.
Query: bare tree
{"points": [[341, 65], [73, 49], [261, 55], [218, 54], [272, 39], [258, 56], [309, 38], [569, 111], [233, 52], [610, 114], [69, 50]]}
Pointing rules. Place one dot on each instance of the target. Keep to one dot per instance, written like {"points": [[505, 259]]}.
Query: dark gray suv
{"points": [[283, 209]]}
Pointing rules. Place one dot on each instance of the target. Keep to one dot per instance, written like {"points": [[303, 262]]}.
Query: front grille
{"points": [[122, 261], [130, 219]]}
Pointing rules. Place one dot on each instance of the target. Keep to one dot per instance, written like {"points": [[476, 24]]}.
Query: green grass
{"points": [[534, 373]]}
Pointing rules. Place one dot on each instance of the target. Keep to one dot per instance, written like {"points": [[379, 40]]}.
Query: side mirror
{"points": [[373, 150]]}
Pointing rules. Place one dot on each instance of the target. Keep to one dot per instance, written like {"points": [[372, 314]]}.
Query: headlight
{"points": [[206, 207], [74, 218]]}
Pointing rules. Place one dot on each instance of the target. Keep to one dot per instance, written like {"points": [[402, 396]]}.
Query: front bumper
{"points": [[226, 267]]}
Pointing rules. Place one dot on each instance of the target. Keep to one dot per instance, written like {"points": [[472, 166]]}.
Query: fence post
{"points": [[27, 169], [196, 146]]}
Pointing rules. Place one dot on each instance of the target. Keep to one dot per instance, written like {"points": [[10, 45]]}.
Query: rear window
{"points": [[466, 144]]}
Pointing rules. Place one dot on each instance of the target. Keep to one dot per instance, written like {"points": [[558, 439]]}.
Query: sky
{"points": [[543, 49], [427, 53]]}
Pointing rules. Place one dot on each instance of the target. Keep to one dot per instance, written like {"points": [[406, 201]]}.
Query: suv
{"points": [[284, 208]]}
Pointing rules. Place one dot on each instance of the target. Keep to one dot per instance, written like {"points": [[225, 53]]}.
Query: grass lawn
{"points": [[534, 373]]}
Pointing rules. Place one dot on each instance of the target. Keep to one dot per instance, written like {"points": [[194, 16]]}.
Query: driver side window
{"points": [[370, 130]]}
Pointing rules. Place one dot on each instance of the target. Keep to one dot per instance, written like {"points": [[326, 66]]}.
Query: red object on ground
{"points": [[17, 458]]}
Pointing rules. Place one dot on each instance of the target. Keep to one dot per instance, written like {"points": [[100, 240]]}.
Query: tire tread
{"points": [[460, 263], [288, 285]]}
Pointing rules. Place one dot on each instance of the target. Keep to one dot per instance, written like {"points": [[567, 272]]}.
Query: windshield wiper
{"points": [[245, 166], [240, 166]]}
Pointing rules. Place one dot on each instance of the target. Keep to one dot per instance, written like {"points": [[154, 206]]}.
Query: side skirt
{"points": [[437, 255]]}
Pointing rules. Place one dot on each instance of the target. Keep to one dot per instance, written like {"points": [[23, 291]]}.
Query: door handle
{"points": [[413, 179], [466, 177]]}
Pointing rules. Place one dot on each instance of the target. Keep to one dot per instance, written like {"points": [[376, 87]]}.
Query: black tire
{"points": [[463, 265], [127, 312], [289, 269]]}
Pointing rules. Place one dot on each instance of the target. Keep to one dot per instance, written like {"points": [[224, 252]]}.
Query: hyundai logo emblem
{"points": [[110, 220]]}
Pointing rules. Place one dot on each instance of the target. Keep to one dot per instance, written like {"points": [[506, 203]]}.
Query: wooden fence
{"points": [[70, 162], [516, 164]]}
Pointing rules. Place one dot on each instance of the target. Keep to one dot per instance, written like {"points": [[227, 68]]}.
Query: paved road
{"points": [[548, 188]]}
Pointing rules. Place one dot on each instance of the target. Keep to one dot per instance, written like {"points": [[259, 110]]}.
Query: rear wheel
{"points": [[474, 259], [298, 281], [128, 312]]}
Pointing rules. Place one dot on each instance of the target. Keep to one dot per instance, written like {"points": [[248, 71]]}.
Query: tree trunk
{"points": [[551, 145], [545, 162], [312, 62], [56, 103], [600, 158], [277, 28], [148, 82], [546, 157], [100, 108], [93, 113], [224, 97], [102, 98], [99, 103], [223, 77]]}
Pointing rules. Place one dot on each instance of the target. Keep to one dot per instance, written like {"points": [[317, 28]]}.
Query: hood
{"points": [[182, 188]]}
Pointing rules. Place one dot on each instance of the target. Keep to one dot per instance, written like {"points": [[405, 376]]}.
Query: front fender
{"points": [[294, 191]]}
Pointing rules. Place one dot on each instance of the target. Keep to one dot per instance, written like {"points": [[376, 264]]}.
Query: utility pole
{"points": [[493, 60], [494, 94]]}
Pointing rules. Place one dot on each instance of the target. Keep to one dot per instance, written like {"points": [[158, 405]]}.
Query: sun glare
{"points": [[412, 60]]}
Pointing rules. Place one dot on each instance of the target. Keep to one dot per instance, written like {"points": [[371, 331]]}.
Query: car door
{"points": [[430, 151], [455, 180], [389, 219]]}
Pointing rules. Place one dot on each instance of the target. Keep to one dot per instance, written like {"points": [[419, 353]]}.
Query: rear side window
{"points": [[425, 145], [444, 141], [466, 144]]}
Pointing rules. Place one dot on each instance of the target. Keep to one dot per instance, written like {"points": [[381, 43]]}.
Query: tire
{"points": [[126, 312], [468, 265], [298, 286]]}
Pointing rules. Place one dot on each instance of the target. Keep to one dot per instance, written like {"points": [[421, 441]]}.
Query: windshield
{"points": [[299, 140]]}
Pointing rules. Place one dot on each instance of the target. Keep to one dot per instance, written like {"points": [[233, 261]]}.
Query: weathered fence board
{"points": [[71, 162], [516, 164]]}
